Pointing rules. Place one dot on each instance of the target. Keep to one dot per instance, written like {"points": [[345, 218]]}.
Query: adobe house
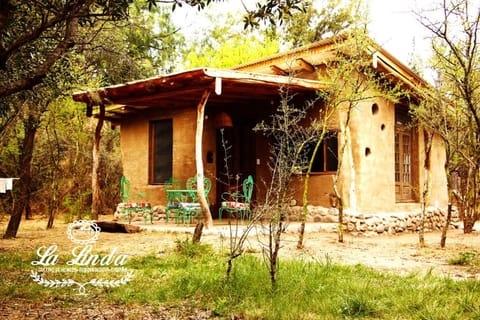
{"points": [[158, 126]]}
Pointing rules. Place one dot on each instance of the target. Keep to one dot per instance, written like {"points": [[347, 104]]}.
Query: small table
{"points": [[182, 202]]}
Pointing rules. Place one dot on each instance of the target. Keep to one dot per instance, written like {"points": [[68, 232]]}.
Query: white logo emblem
{"points": [[85, 234]]}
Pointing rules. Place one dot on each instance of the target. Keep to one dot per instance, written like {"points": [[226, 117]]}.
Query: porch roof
{"points": [[186, 88]]}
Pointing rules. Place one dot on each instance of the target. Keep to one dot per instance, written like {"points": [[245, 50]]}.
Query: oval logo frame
{"points": [[83, 231]]}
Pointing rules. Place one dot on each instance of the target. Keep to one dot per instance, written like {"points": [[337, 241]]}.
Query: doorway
{"points": [[235, 158]]}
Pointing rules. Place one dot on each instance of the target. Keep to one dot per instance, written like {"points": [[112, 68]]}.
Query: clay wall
{"points": [[134, 141]]}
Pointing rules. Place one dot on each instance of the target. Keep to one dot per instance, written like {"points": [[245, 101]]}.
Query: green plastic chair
{"points": [[233, 202]]}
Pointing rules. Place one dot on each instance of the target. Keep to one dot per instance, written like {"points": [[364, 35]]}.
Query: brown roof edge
{"points": [[201, 76], [398, 68], [294, 52], [397, 65], [98, 96]]}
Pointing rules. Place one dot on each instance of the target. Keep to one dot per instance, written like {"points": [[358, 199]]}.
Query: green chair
{"points": [[191, 210], [233, 202], [173, 201], [129, 207]]}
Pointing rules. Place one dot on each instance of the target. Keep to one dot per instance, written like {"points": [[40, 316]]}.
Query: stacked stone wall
{"points": [[378, 223], [356, 223], [158, 214]]}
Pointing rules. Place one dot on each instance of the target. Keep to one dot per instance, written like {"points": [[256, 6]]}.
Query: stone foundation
{"points": [[378, 223], [158, 214]]}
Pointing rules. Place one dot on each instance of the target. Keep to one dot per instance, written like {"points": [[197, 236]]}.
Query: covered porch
{"points": [[196, 122]]}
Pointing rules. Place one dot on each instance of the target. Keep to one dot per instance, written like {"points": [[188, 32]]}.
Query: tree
{"points": [[287, 139], [95, 57], [224, 46], [34, 105], [454, 26], [334, 17], [38, 33]]}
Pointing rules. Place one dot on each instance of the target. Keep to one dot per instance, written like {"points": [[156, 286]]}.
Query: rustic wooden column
{"points": [[96, 164], [207, 216]]}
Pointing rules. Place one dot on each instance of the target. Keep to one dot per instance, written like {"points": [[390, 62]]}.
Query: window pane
{"points": [[318, 162], [326, 158], [332, 153], [162, 145]]}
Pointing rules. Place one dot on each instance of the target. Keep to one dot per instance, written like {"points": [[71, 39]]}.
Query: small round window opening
{"points": [[375, 108], [382, 127], [367, 152]]}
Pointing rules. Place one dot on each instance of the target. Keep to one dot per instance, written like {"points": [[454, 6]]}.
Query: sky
{"points": [[393, 25]]}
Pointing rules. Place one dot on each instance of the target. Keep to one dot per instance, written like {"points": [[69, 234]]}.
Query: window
{"points": [[161, 150], [326, 159]]}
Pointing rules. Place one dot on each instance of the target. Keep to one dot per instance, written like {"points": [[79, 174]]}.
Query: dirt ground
{"points": [[398, 253]]}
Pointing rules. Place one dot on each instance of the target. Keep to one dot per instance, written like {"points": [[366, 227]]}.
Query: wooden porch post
{"points": [[207, 216], [96, 165]]}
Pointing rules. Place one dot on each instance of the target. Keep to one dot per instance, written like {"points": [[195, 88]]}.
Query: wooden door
{"points": [[403, 166]]}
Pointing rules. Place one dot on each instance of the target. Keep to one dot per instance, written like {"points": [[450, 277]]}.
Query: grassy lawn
{"points": [[194, 275]]}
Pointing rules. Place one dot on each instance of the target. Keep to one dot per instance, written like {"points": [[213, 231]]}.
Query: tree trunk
{"points": [[274, 257], [301, 234], [96, 201], [421, 232], [25, 163], [51, 218], [197, 234], [468, 223], [340, 220], [115, 227], [28, 208], [443, 240], [207, 216], [428, 140]]}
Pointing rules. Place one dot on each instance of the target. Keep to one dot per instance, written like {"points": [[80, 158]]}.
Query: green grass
{"points": [[194, 275], [465, 258]]}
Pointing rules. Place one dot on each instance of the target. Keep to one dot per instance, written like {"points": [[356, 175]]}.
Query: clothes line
{"points": [[6, 184]]}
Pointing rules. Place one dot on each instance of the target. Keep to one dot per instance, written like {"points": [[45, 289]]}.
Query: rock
{"points": [[391, 230], [332, 211], [380, 228], [350, 227], [329, 218], [370, 234]]}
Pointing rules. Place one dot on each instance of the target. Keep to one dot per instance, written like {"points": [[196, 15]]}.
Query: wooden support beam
{"points": [[89, 110], [279, 71], [306, 65], [96, 164]]}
